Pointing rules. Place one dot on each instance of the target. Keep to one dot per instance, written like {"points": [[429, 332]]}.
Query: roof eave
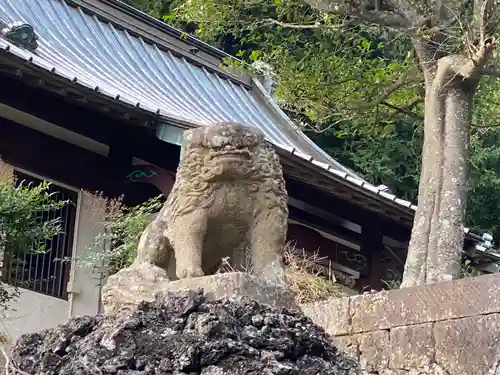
{"points": [[75, 89], [407, 212]]}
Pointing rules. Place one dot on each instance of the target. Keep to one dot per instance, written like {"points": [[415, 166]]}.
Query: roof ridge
{"points": [[162, 26]]}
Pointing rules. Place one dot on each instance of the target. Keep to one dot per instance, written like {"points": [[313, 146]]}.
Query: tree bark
{"points": [[436, 244]]}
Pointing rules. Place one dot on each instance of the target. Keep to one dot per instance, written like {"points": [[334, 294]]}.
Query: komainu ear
{"points": [[194, 137], [188, 135]]}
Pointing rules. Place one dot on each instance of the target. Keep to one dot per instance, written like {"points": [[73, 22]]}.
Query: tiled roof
{"points": [[95, 54], [84, 49]]}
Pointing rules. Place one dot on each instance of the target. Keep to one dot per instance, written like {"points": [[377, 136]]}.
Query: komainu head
{"points": [[227, 150], [222, 135]]}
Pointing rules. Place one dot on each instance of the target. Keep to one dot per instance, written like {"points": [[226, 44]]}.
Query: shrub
{"points": [[116, 246], [22, 228]]}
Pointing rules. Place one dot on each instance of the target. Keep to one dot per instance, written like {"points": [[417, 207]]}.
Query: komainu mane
{"points": [[228, 200]]}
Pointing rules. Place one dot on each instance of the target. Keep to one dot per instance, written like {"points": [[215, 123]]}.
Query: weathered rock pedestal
{"points": [[129, 287], [185, 333]]}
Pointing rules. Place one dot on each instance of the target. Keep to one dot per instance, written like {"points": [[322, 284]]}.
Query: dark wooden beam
{"points": [[325, 225], [55, 109], [22, 71], [142, 142], [348, 210], [121, 152], [372, 246], [327, 250], [304, 171], [49, 157]]}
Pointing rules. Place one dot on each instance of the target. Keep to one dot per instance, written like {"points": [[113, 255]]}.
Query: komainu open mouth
{"points": [[233, 154]]}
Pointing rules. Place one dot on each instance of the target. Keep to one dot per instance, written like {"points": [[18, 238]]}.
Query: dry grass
{"points": [[9, 367], [308, 278], [104, 209], [306, 274], [6, 173]]}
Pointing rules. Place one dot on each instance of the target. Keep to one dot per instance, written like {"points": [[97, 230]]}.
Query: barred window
{"points": [[47, 272]]}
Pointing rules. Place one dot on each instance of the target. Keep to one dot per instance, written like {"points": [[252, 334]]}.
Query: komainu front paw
{"points": [[189, 272]]}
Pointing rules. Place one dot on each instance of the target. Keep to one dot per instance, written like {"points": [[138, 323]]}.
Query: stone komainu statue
{"points": [[228, 199]]}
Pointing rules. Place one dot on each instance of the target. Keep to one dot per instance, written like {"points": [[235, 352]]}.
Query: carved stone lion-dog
{"points": [[228, 200]]}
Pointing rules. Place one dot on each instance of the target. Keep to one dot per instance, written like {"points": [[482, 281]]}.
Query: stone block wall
{"points": [[449, 328]]}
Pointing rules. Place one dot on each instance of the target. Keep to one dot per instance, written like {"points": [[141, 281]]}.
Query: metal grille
{"points": [[46, 272]]}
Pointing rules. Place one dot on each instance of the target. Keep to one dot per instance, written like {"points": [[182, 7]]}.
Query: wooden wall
{"points": [[51, 158]]}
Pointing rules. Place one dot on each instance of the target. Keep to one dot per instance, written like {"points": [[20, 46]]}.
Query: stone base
{"points": [[130, 286], [236, 285]]}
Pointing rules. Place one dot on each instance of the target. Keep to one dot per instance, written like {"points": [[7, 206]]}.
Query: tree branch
{"points": [[367, 10], [414, 103], [406, 110], [467, 67], [402, 81], [486, 19], [403, 110], [390, 20], [315, 25], [328, 6], [485, 126]]}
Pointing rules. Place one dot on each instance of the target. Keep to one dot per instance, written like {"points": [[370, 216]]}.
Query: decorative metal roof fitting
{"points": [[20, 34]]}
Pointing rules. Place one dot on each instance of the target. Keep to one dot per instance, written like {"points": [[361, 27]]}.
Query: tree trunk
{"points": [[436, 244]]}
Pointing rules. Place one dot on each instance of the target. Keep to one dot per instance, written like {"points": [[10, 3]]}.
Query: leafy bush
{"points": [[22, 228], [123, 226]]}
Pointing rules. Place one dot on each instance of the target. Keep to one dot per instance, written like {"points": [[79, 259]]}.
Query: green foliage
{"points": [[22, 226], [325, 70], [154, 8], [116, 246], [393, 160], [21, 207], [484, 193]]}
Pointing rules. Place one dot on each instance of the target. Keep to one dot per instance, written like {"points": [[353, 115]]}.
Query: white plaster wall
{"points": [[34, 311], [84, 281]]}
